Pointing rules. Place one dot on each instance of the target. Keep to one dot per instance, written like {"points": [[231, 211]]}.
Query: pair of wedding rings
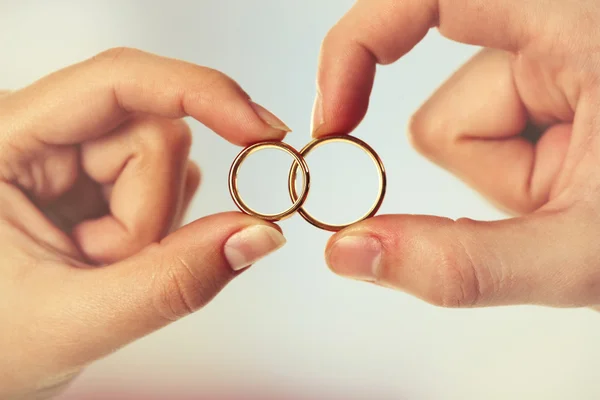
{"points": [[300, 163]]}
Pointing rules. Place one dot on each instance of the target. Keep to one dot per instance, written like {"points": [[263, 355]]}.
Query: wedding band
{"points": [[298, 160], [332, 139]]}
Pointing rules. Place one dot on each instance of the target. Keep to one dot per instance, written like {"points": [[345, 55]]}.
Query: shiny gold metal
{"points": [[298, 161], [331, 139]]}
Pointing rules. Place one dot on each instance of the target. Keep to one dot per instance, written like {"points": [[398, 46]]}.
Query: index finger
{"points": [[381, 31], [91, 98]]}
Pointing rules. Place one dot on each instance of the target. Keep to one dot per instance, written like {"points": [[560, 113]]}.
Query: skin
{"points": [[94, 182], [519, 123]]}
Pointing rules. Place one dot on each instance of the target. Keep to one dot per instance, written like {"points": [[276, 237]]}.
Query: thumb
{"points": [[539, 259], [167, 281]]}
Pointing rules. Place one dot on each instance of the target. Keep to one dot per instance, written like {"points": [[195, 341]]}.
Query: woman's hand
{"points": [[519, 122], [94, 182]]}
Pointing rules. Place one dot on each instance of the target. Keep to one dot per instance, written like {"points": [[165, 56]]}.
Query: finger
{"points": [[189, 189], [145, 164], [88, 201], [473, 127], [539, 259], [382, 31], [113, 306], [91, 98]]}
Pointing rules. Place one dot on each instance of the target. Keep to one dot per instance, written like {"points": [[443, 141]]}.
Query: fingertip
{"points": [[269, 118], [356, 256], [356, 252], [105, 240], [252, 244], [345, 80], [250, 123]]}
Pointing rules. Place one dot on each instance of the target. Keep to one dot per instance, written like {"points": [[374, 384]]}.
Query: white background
{"points": [[288, 323]]}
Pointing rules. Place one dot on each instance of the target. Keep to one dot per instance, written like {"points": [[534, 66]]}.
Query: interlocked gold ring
{"points": [[363, 146], [298, 160]]}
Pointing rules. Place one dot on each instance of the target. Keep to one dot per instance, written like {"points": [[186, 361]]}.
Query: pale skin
{"points": [[95, 180]]}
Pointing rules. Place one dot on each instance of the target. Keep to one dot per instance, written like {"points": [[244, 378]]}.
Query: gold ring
{"points": [[341, 138], [298, 201]]}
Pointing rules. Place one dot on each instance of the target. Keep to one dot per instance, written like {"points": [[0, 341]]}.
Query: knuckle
{"points": [[455, 283], [424, 133], [584, 289], [212, 84], [194, 176], [214, 78], [330, 37], [115, 54], [6, 122], [332, 40], [165, 136], [207, 86], [179, 133], [180, 291]]}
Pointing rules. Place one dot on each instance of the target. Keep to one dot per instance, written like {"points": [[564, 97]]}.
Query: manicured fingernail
{"points": [[357, 257], [269, 118], [317, 114], [246, 247]]}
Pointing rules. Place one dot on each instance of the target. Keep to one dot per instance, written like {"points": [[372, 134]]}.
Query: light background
{"points": [[288, 324]]}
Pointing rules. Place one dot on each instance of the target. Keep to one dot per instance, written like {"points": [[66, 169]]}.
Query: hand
{"points": [[519, 122], [94, 177]]}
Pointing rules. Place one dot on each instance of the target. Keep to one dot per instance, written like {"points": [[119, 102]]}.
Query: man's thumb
{"points": [[538, 259], [166, 281]]}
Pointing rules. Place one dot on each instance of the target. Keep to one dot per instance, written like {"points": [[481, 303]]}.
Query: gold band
{"points": [[332, 139], [298, 160]]}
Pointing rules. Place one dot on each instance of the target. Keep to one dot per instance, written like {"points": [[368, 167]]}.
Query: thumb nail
{"points": [[246, 247], [357, 257]]}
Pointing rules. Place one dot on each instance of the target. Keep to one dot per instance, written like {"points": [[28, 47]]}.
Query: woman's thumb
{"points": [[119, 303]]}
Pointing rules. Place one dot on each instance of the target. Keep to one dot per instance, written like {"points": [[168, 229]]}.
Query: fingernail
{"points": [[269, 118], [357, 257], [317, 114], [246, 247]]}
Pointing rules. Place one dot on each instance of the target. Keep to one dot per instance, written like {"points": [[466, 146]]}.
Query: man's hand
{"points": [[94, 182], [519, 123]]}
